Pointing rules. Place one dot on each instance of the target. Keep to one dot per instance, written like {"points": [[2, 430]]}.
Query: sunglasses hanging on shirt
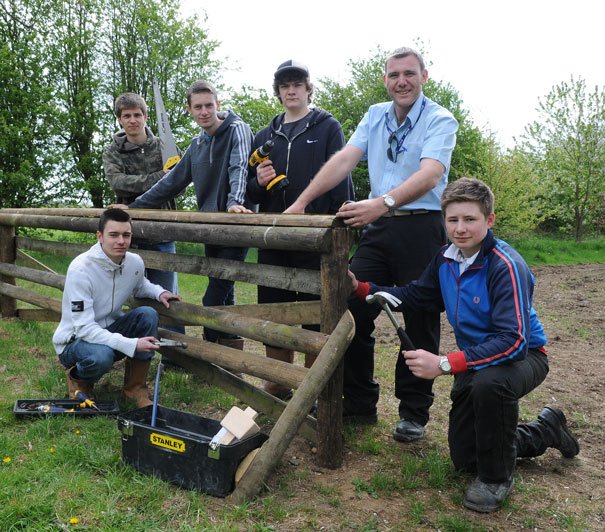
{"points": [[399, 147]]}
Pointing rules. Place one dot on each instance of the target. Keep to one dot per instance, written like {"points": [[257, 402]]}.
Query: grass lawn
{"points": [[66, 473]]}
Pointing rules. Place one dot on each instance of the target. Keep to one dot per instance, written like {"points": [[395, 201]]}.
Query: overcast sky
{"points": [[501, 57]]}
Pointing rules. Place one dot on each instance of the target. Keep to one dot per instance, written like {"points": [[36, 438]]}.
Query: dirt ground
{"points": [[551, 493]]}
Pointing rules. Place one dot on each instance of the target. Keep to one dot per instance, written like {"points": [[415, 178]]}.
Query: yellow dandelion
{"points": [[74, 521], [7, 459], [51, 449], [78, 431]]}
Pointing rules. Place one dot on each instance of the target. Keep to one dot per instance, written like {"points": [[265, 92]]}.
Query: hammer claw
{"points": [[383, 299]]}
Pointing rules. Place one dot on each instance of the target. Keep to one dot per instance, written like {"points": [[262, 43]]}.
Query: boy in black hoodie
{"points": [[304, 139]]}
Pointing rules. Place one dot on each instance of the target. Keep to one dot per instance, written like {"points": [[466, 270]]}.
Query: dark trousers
{"points": [[288, 259], [483, 434], [392, 252], [221, 291]]}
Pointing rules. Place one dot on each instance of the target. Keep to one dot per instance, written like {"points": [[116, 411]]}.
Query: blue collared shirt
{"points": [[433, 136]]}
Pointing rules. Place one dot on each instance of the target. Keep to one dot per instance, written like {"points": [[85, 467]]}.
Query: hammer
{"points": [[383, 299]]}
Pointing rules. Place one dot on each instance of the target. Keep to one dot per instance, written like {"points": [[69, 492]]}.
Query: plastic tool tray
{"points": [[61, 407], [178, 449]]}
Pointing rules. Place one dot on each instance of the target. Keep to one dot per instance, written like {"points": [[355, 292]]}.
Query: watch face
{"points": [[389, 201], [444, 365]]}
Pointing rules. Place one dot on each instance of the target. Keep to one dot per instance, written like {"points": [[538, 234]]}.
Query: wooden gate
{"points": [[275, 324]]}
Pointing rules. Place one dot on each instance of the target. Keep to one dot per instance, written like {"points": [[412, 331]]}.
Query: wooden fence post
{"points": [[335, 286], [8, 253], [251, 484]]}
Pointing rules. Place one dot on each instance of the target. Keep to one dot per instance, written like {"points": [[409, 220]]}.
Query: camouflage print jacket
{"points": [[133, 169]]}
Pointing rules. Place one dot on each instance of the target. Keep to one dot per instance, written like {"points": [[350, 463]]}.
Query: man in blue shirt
{"points": [[408, 144]]}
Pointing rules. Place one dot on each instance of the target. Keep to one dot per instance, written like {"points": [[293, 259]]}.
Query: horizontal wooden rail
{"points": [[276, 334], [38, 314], [17, 292], [292, 313], [296, 279], [35, 276], [273, 237], [260, 366], [260, 330], [274, 219]]}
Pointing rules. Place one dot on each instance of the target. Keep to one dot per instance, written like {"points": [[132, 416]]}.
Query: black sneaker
{"points": [[484, 497], [408, 430], [562, 438]]}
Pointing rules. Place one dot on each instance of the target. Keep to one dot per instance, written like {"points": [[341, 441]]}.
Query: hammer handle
{"points": [[406, 343]]}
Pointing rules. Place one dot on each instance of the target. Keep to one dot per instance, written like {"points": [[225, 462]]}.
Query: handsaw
{"points": [[170, 152]]}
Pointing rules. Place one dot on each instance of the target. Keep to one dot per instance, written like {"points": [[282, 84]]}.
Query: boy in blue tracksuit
{"points": [[486, 289]]}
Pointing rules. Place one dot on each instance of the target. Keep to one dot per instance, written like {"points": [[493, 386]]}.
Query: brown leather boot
{"points": [[285, 355], [135, 381], [74, 385], [233, 343]]}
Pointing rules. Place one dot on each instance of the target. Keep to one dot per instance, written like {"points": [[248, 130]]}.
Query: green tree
{"points": [[567, 146], [73, 53], [348, 102], [63, 63], [473, 148], [25, 107], [256, 107], [517, 188]]}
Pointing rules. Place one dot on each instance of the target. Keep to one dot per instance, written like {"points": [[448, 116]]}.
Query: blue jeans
{"points": [[92, 361], [221, 291], [167, 280]]}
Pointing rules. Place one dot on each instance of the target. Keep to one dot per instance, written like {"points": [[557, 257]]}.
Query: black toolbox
{"points": [[61, 407], [178, 449]]}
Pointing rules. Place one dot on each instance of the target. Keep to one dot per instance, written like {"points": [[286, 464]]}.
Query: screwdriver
{"points": [[86, 401]]}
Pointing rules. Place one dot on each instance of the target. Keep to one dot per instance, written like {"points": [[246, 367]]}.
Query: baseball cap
{"points": [[291, 67]]}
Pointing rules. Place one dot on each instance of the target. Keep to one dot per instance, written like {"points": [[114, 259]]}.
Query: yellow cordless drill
{"points": [[262, 154]]}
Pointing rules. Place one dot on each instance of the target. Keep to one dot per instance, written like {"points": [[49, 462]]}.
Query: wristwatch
{"points": [[445, 366], [389, 202]]}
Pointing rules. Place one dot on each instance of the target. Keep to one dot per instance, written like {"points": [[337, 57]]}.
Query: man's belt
{"points": [[397, 212]]}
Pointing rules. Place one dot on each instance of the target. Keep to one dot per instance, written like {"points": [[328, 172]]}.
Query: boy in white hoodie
{"points": [[94, 332]]}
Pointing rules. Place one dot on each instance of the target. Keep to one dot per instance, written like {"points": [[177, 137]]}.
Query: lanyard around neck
{"points": [[392, 133]]}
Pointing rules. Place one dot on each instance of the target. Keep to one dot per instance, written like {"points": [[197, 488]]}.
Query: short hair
{"points": [[290, 77], [404, 51], [200, 86], [468, 189], [115, 215], [129, 100]]}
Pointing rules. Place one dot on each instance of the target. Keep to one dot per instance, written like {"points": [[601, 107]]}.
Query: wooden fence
{"points": [[275, 324]]}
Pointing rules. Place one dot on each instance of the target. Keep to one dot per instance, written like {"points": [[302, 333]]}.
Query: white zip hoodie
{"points": [[95, 290]]}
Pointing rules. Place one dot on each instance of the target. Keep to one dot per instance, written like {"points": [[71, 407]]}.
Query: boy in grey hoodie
{"points": [[216, 163]]}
